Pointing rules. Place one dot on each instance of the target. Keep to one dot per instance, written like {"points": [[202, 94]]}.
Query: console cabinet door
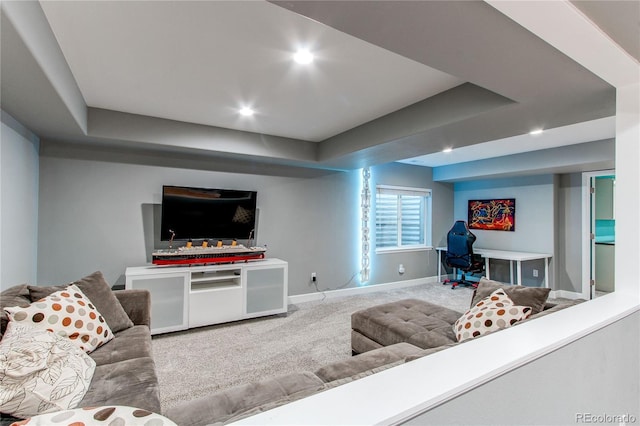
{"points": [[266, 290], [169, 299], [215, 306]]}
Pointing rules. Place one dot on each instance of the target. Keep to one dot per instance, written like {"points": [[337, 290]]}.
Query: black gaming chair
{"points": [[460, 254]]}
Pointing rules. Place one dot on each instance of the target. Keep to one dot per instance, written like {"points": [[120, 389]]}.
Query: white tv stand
{"points": [[183, 297]]}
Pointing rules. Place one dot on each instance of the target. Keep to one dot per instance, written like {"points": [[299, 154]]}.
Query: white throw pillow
{"points": [[41, 372], [494, 312], [68, 313]]}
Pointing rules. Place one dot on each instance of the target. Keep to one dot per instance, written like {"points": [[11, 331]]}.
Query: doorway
{"points": [[598, 236]]}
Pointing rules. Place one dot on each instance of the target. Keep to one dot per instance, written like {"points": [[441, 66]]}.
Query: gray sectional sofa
{"points": [[246, 400], [383, 336], [114, 381], [429, 326], [125, 372]]}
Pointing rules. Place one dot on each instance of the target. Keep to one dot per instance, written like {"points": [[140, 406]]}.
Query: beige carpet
{"points": [[205, 360]]}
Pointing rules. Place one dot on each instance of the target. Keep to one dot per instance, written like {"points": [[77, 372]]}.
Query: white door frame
{"points": [[588, 224]]}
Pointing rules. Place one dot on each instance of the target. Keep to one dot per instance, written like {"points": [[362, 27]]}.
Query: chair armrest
{"points": [[137, 304]]}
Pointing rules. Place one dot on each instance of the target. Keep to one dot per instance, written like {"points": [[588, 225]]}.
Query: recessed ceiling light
{"points": [[246, 111], [447, 150], [536, 132], [303, 56]]}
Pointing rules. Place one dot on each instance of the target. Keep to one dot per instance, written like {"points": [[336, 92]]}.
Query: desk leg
{"points": [[439, 265], [546, 272], [511, 272], [519, 265]]}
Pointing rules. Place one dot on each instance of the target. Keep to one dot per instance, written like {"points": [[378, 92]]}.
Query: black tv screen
{"points": [[207, 213]]}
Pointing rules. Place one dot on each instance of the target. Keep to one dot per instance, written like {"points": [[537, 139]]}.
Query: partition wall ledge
{"points": [[401, 393]]}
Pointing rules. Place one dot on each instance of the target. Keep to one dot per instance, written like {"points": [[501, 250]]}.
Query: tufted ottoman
{"points": [[414, 321]]}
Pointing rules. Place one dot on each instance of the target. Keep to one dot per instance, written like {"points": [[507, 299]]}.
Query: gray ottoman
{"points": [[413, 321]]}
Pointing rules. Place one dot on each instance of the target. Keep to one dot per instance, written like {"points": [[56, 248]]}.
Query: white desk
{"points": [[511, 256]]}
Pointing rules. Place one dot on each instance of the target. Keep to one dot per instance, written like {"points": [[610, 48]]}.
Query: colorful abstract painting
{"points": [[493, 215]]}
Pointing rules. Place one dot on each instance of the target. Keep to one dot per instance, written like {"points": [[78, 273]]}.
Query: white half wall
{"points": [[552, 400], [19, 205]]}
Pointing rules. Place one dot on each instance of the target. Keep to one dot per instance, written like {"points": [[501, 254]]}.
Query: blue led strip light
{"points": [[365, 206]]}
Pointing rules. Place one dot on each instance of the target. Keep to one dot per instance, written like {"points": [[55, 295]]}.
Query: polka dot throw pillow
{"points": [[67, 313], [108, 415], [494, 312]]}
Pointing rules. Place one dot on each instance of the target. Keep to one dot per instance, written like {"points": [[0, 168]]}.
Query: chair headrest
{"points": [[460, 227]]}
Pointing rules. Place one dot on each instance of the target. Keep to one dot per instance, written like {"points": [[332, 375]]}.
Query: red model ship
{"points": [[204, 255]]}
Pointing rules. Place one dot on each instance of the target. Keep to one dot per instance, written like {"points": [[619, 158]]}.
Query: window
{"points": [[403, 218]]}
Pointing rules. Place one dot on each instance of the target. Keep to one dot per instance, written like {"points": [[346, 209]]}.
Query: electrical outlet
{"points": [[535, 273], [314, 277], [401, 269]]}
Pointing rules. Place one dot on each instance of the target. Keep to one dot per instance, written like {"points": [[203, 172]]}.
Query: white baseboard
{"points": [[330, 294]]}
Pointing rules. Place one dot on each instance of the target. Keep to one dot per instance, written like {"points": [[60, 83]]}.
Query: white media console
{"points": [[192, 296]]}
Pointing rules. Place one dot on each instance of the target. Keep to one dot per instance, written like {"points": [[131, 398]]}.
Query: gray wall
{"points": [[102, 215], [596, 388], [419, 263], [19, 205], [535, 221]]}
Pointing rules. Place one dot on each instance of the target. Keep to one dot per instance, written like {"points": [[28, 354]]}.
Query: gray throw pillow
{"points": [[96, 288], [14, 296], [535, 297]]}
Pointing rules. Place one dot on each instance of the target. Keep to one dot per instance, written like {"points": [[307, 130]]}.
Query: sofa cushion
{"points": [[245, 400], [414, 321], [550, 308], [96, 288], [425, 352], [68, 313], [366, 361], [534, 297], [494, 312], [134, 342], [361, 343], [137, 305], [41, 372], [131, 382], [364, 374]]}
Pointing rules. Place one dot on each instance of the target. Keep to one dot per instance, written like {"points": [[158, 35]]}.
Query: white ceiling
{"points": [[200, 62], [168, 77]]}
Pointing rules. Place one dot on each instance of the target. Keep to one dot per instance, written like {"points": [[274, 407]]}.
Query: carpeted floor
{"points": [[205, 360]]}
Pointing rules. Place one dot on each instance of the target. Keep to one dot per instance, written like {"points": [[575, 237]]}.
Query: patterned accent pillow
{"points": [[107, 415], [494, 312], [42, 372], [98, 290], [68, 313]]}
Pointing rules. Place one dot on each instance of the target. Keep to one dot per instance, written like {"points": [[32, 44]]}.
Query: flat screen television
{"points": [[207, 213]]}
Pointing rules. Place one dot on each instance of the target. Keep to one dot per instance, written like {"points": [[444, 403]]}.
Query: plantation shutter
{"points": [[386, 220], [412, 220], [400, 216]]}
